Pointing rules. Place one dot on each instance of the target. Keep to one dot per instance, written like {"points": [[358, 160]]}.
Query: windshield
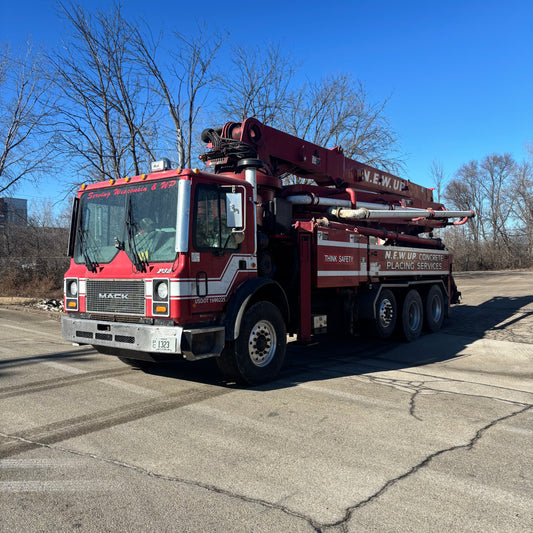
{"points": [[140, 219]]}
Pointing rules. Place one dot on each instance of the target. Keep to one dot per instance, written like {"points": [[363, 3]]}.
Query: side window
{"points": [[211, 229]]}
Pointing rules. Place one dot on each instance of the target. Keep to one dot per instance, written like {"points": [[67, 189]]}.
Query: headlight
{"points": [[162, 290], [73, 288]]}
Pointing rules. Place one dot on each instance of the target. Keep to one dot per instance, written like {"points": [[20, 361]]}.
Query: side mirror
{"points": [[234, 210]]}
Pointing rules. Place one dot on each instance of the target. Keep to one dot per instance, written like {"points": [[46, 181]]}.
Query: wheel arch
{"points": [[252, 291]]}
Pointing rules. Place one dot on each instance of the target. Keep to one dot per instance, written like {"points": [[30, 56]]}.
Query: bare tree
{"points": [[108, 118], [337, 111], [183, 87], [259, 85], [496, 175], [25, 129], [522, 204], [436, 171], [464, 192], [501, 193]]}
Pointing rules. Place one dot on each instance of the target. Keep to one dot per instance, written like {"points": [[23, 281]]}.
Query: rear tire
{"points": [[434, 307], [257, 355], [412, 316], [386, 312]]}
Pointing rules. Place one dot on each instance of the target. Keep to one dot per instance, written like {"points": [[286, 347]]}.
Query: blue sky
{"points": [[459, 73]]}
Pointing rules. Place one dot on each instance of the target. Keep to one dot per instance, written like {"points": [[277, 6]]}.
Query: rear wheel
{"points": [[386, 312], [434, 307], [412, 316], [259, 351]]}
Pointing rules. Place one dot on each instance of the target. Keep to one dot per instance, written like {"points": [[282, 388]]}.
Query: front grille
{"points": [[120, 318], [84, 334], [121, 297]]}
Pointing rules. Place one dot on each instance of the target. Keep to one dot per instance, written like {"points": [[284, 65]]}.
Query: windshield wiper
{"points": [[140, 264], [91, 265]]}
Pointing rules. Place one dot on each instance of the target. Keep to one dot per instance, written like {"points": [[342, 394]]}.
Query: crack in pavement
{"points": [[377, 369], [342, 524], [316, 526], [174, 479], [418, 387], [412, 403]]}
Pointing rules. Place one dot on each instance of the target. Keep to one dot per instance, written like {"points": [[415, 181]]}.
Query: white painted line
{"points": [[53, 486], [130, 387], [357, 398], [517, 431], [38, 463], [36, 333], [65, 368]]}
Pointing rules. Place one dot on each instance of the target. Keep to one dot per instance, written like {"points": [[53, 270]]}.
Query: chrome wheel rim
{"points": [[386, 313], [262, 343]]}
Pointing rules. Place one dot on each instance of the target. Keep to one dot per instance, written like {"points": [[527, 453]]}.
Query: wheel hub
{"points": [[262, 343], [386, 313]]}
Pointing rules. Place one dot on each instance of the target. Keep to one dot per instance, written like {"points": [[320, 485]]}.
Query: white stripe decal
{"points": [[344, 273], [406, 249], [411, 272], [186, 288], [342, 244]]}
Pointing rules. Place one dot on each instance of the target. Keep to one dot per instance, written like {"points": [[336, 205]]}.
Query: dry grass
{"points": [[30, 285]]}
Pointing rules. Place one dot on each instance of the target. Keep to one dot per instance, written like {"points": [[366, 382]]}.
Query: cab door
{"points": [[222, 254]]}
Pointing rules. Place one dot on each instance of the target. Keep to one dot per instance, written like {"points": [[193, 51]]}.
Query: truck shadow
{"points": [[332, 357], [497, 314]]}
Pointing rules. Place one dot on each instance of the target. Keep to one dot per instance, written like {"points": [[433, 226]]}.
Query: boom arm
{"points": [[283, 153]]}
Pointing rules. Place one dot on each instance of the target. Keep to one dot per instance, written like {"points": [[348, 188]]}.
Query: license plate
{"points": [[164, 344]]}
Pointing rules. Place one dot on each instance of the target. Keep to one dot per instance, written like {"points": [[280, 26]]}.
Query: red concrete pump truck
{"points": [[190, 264]]}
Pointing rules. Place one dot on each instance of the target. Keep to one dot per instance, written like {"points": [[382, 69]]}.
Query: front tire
{"points": [[259, 351]]}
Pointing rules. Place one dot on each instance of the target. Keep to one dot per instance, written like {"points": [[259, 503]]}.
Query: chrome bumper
{"points": [[192, 344]]}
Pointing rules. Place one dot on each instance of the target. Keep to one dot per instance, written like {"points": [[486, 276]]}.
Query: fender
{"points": [[251, 291]]}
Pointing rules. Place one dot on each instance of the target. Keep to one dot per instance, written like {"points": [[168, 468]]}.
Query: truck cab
{"points": [[155, 260]]}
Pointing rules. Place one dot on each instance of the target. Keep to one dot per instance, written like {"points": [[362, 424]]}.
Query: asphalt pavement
{"points": [[356, 435]]}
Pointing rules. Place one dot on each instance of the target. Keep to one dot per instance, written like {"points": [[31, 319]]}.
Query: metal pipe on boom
{"points": [[362, 213]]}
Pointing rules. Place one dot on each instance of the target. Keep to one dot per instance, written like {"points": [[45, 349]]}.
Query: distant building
{"points": [[13, 212]]}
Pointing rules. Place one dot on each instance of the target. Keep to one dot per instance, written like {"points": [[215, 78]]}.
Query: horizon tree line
{"points": [[112, 96]]}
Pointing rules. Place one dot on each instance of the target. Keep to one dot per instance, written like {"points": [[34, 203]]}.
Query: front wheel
{"points": [[259, 351], [412, 316]]}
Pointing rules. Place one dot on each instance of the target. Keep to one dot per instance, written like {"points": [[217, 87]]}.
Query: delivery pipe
{"points": [[311, 199], [402, 213]]}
